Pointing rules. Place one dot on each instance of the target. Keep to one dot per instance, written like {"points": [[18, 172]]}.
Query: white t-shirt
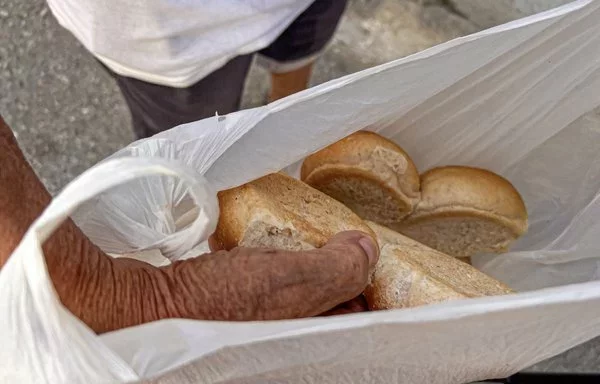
{"points": [[174, 42]]}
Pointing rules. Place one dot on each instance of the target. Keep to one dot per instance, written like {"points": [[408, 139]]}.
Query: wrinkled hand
{"points": [[241, 284], [321, 279]]}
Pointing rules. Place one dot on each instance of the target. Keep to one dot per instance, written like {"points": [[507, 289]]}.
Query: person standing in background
{"points": [[178, 61]]}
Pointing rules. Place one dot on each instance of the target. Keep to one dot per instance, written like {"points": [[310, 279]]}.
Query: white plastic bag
{"points": [[515, 99]]}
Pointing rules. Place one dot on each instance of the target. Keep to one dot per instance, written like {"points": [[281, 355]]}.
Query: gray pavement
{"points": [[68, 114]]}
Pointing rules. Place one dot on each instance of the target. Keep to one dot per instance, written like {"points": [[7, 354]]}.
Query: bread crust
{"points": [[455, 191], [286, 207], [372, 158], [411, 274]]}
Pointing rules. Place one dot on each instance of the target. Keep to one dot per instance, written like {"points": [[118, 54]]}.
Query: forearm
{"points": [[72, 260], [106, 294], [22, 197]]}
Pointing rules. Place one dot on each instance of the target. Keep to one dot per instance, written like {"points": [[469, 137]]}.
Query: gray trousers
{"points": [[155, 108]]}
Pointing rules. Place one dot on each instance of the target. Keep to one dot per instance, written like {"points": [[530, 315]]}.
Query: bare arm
{"points": [[244, 284]]}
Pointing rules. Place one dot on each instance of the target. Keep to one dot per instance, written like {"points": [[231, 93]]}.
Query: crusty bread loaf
{"points": [[465, 211], [411, 274], [369, 174], [281, 212]]}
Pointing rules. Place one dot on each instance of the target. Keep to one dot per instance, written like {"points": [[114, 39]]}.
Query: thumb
{"points": [[341, 267], [354, 243]]}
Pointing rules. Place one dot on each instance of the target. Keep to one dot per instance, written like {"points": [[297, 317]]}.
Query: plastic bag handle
{"points": [[112, 173], [102, 177]]}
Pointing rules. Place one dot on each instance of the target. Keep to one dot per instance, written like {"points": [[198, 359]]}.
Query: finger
{"points": [[304, 284], [358, 304], [266, 284], [343, 266], [356, 243], [336, 312]]}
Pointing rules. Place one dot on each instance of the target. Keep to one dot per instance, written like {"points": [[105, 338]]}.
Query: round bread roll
{"points": [[369, 174], [465, 211]]}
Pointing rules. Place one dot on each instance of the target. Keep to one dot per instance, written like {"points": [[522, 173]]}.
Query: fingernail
{"points": [[371, 249]]}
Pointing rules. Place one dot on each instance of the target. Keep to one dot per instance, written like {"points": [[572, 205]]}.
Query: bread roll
{"points": [[281, 212], [369, 174], [411, 274], [465, 211]]}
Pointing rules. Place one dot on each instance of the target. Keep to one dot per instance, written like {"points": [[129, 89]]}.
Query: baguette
{"points": [[411, 274]]}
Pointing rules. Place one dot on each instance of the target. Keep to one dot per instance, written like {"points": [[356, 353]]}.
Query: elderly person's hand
{"points": [[242, 284]]}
